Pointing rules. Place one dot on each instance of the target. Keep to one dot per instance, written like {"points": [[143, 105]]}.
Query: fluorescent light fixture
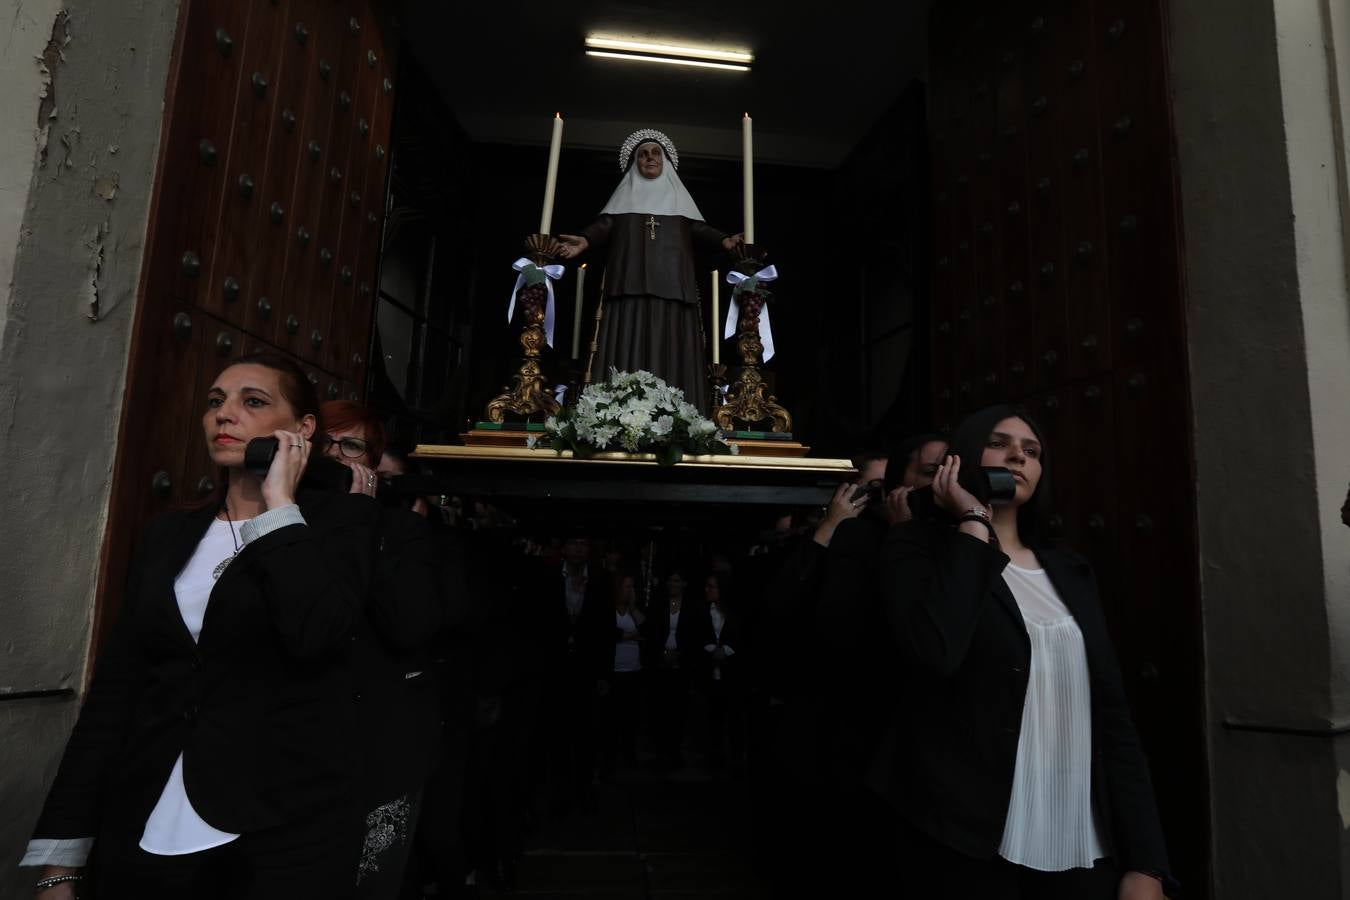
{"points": [[669, 60], [714, 54]]}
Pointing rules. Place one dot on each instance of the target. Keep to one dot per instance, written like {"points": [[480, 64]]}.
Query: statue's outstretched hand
{"points": [[731, 242], [572, 245]]}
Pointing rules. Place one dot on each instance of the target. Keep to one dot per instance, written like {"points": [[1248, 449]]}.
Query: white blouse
{"points": [[1050, 825], [719, 621], [627, 654], [174, 827]]}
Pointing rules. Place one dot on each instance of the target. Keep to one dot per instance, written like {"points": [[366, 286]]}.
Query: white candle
{"points": [[551, 182], [716, 326], [576, 316], [748, 155]]}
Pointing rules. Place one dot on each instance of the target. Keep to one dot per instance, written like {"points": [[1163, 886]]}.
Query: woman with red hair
{"points": [[354, 436], [399, 700]]}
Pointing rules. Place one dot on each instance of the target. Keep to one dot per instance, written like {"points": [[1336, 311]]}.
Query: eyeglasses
{"points": [[350, 447]]}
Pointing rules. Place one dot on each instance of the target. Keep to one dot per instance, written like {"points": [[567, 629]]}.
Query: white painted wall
{"points": [[1258, 103], [72, 230], [23, 82], [1314, 52]]}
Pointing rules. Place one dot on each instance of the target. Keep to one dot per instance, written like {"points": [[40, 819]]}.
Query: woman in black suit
{"points": [[674, 636], [722, 676], [393, 655], [208, 760], [1020, 775]]}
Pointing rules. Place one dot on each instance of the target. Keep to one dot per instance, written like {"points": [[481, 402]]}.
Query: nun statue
{"points": [[652, 318]]}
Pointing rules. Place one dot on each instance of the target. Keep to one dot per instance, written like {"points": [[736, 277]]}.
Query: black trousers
{"points": [[620, 712], [569, 705], [304, 859], [934, 871], [727, 727], [669, 709], [440, 854]]}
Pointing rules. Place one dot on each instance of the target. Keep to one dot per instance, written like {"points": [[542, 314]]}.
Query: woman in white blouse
{"points": [[623, 697], [209, 759], [1021, 776]]}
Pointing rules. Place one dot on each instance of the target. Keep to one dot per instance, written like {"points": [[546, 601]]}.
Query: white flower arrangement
{"points": [[638, 413]]}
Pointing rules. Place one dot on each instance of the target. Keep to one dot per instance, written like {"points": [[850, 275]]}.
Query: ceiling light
{"points": [[669, 60], [715, 54]]}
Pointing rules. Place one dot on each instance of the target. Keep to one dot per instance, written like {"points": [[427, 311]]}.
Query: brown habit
{"points": [[652, 318]]}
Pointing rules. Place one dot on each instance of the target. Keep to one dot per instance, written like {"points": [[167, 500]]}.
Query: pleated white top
{"points": [[174, 827], [1050, 825]]}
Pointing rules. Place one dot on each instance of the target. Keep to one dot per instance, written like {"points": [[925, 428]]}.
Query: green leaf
{"points": [[533, 274], [669, 455]]}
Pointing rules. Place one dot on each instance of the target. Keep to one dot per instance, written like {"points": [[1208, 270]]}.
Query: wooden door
{"points": [[1057, 284], [264, 231]]}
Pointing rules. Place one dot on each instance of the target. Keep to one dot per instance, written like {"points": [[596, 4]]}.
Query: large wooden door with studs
{"points": [[1057, 284], [264, 232]]}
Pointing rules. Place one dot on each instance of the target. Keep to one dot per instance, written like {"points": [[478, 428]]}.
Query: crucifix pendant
{"points": [[652, 225]]}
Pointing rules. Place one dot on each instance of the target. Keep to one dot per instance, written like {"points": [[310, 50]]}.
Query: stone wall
{"points": [[1260, 108], [81, 95]]}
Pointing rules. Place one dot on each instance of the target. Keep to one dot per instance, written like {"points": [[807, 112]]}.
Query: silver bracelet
{"points": [[54, 880]]}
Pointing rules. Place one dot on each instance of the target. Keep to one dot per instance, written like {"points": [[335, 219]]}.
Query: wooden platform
{"points": [[623, 489], [482, 437]]}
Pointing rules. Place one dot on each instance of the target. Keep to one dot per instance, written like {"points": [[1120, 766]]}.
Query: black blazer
{"points": [[260, 708], [734, 635], [417, 582], [851, 656], [582, 648], [691, 634], [958, 628]]}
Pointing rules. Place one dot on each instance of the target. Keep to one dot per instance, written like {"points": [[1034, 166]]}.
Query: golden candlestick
{"points": [[748, 400], [529, 395]]}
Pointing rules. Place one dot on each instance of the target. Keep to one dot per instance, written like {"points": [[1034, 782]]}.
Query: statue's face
{"points": [[650, 158]]}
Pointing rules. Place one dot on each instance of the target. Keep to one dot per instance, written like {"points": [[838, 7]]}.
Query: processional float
{"points": [[511, 458], [743, 407]]}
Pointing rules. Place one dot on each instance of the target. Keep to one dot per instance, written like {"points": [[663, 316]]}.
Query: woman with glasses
{"points": [[207, 759], [354, 436], [393, 655]]}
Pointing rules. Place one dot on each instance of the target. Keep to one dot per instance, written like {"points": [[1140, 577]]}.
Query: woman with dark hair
{"points": [[621, 699], [721, 675], [1021, 775], [207, 759], [673, 641]]}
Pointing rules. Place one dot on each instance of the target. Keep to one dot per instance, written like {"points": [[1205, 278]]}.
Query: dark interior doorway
{"points": [[979, 210], [991, 218]]}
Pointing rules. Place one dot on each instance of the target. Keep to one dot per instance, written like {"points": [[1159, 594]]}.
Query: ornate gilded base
{"points": [[529, 394], [747, 400]]}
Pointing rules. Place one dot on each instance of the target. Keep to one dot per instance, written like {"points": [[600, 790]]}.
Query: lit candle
{"points": [[716, 327], [576, 315], [748, 161], [551, 183]]}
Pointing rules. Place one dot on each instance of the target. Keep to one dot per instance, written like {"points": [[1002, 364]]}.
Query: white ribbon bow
{"points": [[769, 273], [553, 273]]}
